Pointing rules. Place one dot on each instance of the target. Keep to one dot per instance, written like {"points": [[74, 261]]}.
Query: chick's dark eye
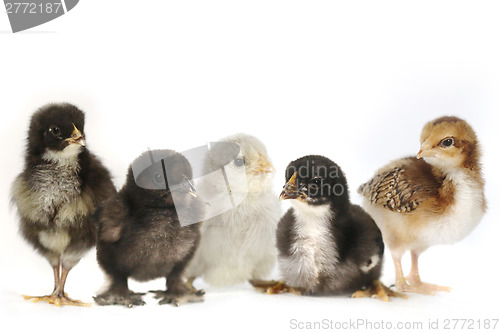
{"points": [[56, 131], [239, 162], [448, 142], [316, 181]]}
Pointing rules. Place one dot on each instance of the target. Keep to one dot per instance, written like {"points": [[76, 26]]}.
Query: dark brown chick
{"points": [[58, 191]]}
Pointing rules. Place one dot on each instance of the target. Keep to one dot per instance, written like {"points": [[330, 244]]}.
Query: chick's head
{"points": [[448, 143], [156, 175], [253, 159], [316, 180], [57, 130]]}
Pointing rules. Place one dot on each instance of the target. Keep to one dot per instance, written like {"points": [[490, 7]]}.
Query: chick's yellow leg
{"points": [[414, 277], [64, 297], [401, 283], [378, 290], [58, 296]]}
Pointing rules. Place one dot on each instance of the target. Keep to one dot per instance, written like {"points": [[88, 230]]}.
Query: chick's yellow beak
{"points": [[421, 154], [426, 150], [264, 166], [290, 190], [76, 137]]}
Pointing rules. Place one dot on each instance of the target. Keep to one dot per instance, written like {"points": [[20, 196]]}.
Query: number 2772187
{"points": [[33, 8]]}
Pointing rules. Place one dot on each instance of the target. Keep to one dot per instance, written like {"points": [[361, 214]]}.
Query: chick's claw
{"points": [[275, 287], [56, 300], [421, 288], [177, 299], [434, 287], [114, 299], [378, 290], [416, 285]]}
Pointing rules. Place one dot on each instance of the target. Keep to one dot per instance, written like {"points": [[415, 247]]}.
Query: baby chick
{"points": [[239, 244], [326, 245], [58, 191], [139, 231], [434, 198]]}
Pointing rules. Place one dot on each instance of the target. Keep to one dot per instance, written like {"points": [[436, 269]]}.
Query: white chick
{"points": [[239, 244]]}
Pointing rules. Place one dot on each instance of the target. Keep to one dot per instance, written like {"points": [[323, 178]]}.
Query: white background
{"points": [[351, 80]]}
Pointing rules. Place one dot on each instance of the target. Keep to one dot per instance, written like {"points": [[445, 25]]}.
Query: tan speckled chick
{"points": [[434, 198]]}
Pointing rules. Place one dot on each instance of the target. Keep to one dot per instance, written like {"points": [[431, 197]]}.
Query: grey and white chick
{"points": [[58, 191], [327, 246], [239, 244], [140, 235]]}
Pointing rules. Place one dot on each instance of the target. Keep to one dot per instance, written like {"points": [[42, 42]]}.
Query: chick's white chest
{"points": [[57, 184], [464, 214], [239, 244], [313, 248], [54, 187]]}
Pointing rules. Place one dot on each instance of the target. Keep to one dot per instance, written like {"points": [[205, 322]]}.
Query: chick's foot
{"points": [[56, 299], [275, 287], [176, 299], [378, 290], [419, 287], [128, 300]]}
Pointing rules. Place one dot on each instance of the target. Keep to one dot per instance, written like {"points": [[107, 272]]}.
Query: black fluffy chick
{"points": [[327, 246], [58, 191], [140, 235]]}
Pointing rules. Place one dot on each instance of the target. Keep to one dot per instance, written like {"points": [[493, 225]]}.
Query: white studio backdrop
{"points": [[354, 81]]}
